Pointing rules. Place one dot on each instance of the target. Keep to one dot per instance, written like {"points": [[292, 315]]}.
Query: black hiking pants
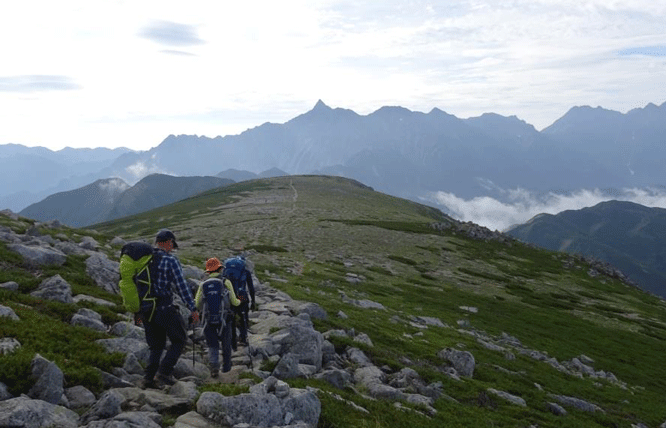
{"points": [[216, 337], [242, 311], [166, 322]]}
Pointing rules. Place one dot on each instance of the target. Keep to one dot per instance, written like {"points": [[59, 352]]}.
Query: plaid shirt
{"points": [[169, 272]]}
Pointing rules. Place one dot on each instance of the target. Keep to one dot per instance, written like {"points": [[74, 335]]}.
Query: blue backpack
{"points": [[216, 301], [234, 271]]}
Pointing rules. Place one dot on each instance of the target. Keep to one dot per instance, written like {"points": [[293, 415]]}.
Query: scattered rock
{"points": [[336, 377], [8, 345], [79, 397], [84, 298], [577, 403], [369, 304], [54, 288], [287, 368], [6, 311], [430, 321], [509, 397], [557, 409], [106, 407], [89, 243], [364, 339], [4, 392], [104, 272], [89, 319], [313, 309], [117, 241], [49, 380], [11, 285], [38, 256], [27, 413], [463, 361]]}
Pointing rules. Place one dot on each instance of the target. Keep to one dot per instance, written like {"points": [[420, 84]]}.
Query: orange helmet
{"points": [[213, 264]]}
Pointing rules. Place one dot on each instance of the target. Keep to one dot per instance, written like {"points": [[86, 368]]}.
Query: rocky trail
{"points": [[282, 345]]}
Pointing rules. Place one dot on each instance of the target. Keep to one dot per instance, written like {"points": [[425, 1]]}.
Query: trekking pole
{"points": [[192, 327], [249, 352]]}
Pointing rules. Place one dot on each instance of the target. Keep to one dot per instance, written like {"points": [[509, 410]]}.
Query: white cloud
{"points": [[270, 61], [521, 205], [114, 185], [139, 170]]}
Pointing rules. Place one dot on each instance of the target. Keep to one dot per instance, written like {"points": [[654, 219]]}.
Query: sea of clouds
{"points": [[519, 205]]}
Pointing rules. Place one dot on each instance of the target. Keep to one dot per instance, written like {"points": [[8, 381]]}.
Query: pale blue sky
{"points": [[128, 73]]}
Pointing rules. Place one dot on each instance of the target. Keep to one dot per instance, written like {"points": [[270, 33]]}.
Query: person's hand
{"points": [[194, 317]]}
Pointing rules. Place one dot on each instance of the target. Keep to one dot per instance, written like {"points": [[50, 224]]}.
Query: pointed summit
{"points": [[320, 106]]}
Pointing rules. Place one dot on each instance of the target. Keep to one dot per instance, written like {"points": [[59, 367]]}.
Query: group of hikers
{"points": [[226, 286]]}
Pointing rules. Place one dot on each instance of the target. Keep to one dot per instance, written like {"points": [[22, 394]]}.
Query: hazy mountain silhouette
{"points": [[80, 207], [109, 199], [403, 153]]}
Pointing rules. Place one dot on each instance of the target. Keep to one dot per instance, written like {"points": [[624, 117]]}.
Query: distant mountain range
{"points": [[394, 150], [112, 198], [629, 236], [30, 174]]}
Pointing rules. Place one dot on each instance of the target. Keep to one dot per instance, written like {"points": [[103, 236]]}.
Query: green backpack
{"points": [[137, 265]]}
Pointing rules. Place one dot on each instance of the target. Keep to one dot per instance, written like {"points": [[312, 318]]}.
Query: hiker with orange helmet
{"points": [[216, 296]]}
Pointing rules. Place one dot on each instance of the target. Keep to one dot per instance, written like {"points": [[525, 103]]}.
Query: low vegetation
{"points": [[320, 239]]}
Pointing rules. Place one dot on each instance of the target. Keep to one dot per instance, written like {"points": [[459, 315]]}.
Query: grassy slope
{"points": [[305, 234], [313, 231], [44, 326]]}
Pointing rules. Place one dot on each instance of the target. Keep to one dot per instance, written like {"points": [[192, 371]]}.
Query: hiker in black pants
{"points": [[217, 326], [165, 321], [241, 318]]}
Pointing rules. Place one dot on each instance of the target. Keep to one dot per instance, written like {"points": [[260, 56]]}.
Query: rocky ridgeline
{"points": [[282, 336]]}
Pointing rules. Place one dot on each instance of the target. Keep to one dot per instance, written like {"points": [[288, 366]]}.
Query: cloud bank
{"points": [[171, 34], [521, 205], [174, 63], [37, 83]]}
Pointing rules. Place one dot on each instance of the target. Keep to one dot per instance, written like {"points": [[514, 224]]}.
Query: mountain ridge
{"points": [[441, 152], [627, 235], [112, 198]]}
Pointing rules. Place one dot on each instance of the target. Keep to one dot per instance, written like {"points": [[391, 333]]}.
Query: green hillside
{"points": [[334, 241], [629, 236]]}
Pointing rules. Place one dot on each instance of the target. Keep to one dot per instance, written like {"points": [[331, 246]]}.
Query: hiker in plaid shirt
{"points": [[166, 320]]}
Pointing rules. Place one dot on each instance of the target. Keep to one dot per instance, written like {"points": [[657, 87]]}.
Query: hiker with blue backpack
{"points": [[216, 298], [235, 269], [152, 300]]}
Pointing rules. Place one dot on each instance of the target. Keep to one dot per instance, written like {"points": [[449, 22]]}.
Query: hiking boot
{"points": [[215, 373], [148, 383], [166, 380]]}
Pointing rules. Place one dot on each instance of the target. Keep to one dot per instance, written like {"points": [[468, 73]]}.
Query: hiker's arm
{"points": [[198, 299], [232, 294], [250, 284], [181, 285]]}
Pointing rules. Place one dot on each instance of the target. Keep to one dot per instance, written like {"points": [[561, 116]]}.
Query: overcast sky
{"points": [[128, 73]]}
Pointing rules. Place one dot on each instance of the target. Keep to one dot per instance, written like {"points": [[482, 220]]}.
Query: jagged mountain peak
{"points": [[320, 105]]}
